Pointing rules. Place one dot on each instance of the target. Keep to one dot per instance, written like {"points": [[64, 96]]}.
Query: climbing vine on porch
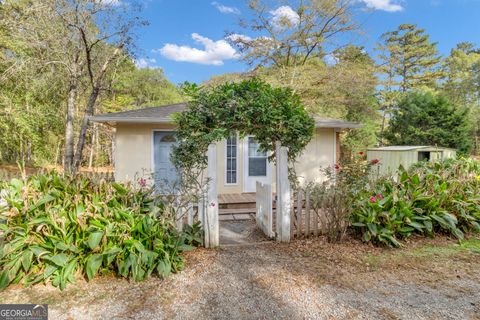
{"points": [[250, 107]]}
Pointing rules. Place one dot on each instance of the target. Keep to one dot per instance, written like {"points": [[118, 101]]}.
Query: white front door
{"points": [[256, 165]]}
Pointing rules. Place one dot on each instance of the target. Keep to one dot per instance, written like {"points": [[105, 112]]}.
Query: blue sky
{"points": [[183, 29]]}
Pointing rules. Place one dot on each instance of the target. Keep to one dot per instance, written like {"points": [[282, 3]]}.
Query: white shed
{"points": [[393, 156]]}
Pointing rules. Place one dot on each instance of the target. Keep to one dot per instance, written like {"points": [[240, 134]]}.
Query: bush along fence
{"points": [[430, 198], [55, 228]]}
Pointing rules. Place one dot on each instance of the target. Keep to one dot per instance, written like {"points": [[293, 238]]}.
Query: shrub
{"points": [[331, 203], [333, 198], [56, 227], [428, 198], [422, 118]]}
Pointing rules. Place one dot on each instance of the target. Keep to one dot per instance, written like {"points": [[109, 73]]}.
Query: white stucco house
{"points": [[144, 139]]}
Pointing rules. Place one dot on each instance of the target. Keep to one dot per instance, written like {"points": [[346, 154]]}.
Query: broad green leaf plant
{"points": [[430, 198], [56, 228]]}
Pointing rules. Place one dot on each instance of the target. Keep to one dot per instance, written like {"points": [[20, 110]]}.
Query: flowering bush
{"points": [[429, 198], [356, 174], [334, 200]]}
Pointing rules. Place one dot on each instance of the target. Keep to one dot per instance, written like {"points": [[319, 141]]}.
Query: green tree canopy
{"points": [[344, 89], [462, 85], [428, 119], [250, 107]]}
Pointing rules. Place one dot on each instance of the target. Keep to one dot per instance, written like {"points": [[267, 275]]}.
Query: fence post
{"points": [[179, 218], [190, 214], [264, 216], [283, 194], [210, 223]]}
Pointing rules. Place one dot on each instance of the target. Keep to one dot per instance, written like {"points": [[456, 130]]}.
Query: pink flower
{"points": [[374, 162], [337, 167], [142, 182], [212, 204], [373, 199], [379, 197]]}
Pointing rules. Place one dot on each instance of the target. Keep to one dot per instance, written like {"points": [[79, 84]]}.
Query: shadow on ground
{"points": [[240, 232], [306, 279]]}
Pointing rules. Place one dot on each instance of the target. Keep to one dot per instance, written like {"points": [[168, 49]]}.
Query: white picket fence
{"points": [[264, 213], [307, 220]]}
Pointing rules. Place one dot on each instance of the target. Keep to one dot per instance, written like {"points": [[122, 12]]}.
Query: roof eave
{"points": [[115, 120], [339, 126], [105, 119]]}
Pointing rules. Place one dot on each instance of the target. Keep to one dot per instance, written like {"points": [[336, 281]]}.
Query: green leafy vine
{"points": [[250, 107]]}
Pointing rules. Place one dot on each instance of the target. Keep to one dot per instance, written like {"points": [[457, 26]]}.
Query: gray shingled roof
{"points": [[163, 114], [335, 123]]}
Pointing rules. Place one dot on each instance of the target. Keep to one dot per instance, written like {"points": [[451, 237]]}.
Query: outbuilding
{"points": [[392, 157]]}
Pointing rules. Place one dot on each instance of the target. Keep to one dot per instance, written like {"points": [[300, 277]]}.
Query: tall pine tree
{"points": [[409, 59], [408, 62]]}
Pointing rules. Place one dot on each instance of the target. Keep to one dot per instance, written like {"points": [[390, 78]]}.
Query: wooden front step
{"points": [[237, 201], [237, 211]]}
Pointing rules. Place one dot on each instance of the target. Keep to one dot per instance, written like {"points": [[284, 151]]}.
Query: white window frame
{"points": [[256, 157], [246, 177], [236, 161]]}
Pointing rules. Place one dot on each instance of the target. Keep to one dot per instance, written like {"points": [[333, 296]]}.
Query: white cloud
{"points": [[144, 63], [111, 2], [235, 37], [214, 52], [284, 17], [384, 5], [330, 59], [224, 9]]}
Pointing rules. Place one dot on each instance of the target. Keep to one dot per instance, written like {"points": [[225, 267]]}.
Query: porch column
{"points": [[283, 194], [210, 221]]}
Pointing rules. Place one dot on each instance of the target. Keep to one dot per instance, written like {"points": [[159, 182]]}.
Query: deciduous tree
{"points": [[81, 40]]}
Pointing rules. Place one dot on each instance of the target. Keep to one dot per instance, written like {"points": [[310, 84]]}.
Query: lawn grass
{"points": [[470, 246]]}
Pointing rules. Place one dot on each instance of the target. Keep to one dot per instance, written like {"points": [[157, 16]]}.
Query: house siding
{"points": [[133, 150], [133, 156], [319, 154]]}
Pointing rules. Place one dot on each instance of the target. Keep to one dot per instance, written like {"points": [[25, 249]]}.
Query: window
{"points": [[423, 156], [257, 161], [168, 138], [231, 158]]}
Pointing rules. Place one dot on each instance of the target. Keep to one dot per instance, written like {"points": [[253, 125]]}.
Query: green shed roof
{"points": [[407, 148]]}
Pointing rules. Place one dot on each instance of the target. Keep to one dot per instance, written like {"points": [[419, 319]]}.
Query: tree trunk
{"points": [[92, 147], [383, 125], [84, 127], [69, 135], [90, 108], [113, 148]]}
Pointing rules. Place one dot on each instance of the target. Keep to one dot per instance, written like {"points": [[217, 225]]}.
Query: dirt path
{"points": [[302, 280]]}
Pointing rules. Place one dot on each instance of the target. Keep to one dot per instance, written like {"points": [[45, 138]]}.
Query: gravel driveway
{"points": [[301, 280]]}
